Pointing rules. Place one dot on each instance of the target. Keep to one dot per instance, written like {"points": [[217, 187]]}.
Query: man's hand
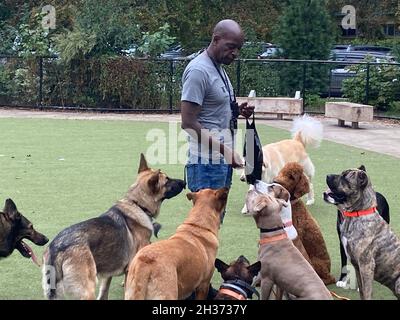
{"points": [[246, 110], [233, 158]]}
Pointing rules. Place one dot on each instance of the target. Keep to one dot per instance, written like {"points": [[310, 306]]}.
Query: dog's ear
{"points": [[302, 187], [283, 202], [222, 194], [255, 268], [143, 164], [153, 182], [280, 192], [262, 202], [363, 179], [191, 196], [362, 167], [220, 265], [10, 210]]}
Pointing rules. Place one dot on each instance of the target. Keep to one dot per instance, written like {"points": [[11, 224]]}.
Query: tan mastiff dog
{"points": [[371, 245], [281, 262], [174, 268]]}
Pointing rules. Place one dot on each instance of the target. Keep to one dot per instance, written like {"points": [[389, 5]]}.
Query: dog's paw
{"points": [[310, 202], [244, 209]]}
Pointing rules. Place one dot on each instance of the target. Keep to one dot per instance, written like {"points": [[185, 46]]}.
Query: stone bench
{"points": [[274, 105], [349, 111]]}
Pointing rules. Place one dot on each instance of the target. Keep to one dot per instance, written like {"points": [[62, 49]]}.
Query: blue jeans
{"points": [[208, 176]]}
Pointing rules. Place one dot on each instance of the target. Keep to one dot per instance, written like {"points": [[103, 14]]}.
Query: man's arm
{"points": [[189, 113]]}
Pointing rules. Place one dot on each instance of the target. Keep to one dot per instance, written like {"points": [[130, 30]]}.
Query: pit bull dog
{"points": [[281, 262]]}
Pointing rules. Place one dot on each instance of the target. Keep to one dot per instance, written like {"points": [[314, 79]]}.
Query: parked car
{"points": [[270, 51], [173, 52], [194, 54], [341, 72]]}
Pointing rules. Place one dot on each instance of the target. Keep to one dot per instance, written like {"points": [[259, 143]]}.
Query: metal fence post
{"points": [[238, 78], [171, 86], [367, 86], [304, 86], [40, 93]]}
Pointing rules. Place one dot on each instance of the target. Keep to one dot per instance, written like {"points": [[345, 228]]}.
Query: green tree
{"points": [[99, 28], [153, 44], [304, 32]]}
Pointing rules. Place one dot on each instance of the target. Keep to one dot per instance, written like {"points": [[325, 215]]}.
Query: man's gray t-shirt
{"points": [[202, 85]]}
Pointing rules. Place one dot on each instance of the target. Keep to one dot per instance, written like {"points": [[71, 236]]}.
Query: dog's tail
{"points": [[49, 275], [308, 131], [136, 286]]}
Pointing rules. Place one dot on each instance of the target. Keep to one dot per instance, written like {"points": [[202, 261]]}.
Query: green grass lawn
{"points": [[60, 172]]}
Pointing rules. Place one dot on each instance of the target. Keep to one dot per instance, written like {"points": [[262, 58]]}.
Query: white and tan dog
{"points": [[306, 132]]}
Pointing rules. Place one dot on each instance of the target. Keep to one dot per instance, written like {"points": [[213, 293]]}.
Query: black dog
{"points": [[14, 227], [383, 209]]}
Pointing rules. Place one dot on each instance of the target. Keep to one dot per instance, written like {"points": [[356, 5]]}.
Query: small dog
{"points": [[293, 179], [372, 247], [104, 246], [306, 132], [383, 210], [172, 269], [281, 263], [238, 277], [14, 227]]}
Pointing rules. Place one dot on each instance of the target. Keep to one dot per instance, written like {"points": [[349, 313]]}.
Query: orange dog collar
{"points": [[232, 294], [273, 239], [359, 213]]}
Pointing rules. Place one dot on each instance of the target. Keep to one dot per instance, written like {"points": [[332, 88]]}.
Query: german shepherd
{"points": [[372, 247], [14, 227], [172, 269], [104, 246], [383, 210]]}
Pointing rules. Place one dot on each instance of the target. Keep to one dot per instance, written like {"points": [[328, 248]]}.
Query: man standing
{"points": [[209, 111]]}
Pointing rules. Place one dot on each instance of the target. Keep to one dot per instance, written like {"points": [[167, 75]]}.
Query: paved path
{"points": [[379, 136]]}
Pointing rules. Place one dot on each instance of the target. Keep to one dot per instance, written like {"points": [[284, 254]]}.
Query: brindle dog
{"points": [[373, 248]]}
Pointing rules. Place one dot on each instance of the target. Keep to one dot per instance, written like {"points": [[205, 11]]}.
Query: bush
{"points": [[315, 103], [384, 85], [395, 107]]}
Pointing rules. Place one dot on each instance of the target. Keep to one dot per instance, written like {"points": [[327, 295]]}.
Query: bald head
{"points": [[226, 41], [227, 26]]}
